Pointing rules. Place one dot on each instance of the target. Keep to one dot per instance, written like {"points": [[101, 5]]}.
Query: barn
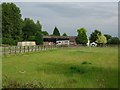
{"points": [[59, 40]]}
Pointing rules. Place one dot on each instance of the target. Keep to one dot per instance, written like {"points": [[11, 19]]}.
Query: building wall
{"points": [[27, 43], [53, 39], [48, 43]]}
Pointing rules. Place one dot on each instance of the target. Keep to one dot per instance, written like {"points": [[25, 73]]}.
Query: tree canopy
{"points": [[94, 35], [11, 23], [82, 37], [101, 39], [56, 32], [45, 33], [114, 40], [64, 34]]}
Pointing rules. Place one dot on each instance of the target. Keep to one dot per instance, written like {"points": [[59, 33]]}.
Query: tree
{"points": [[82, 37], [108, 36], [38, 26], [114, 40], [64, 34], [101, 39], [39, 38], [56, 32], [29, 29], [45, 33], [11, 23], [93, 36]]}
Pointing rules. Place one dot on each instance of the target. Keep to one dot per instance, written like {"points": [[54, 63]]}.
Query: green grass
{"points": [[81, 67]]}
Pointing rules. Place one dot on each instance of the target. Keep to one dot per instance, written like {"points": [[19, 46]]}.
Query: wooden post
{"points": [[41, 47], [10, 50], [28, 48], [4, 50], [32, 48], [20, 50], [38, 48], [44, 47], [35, 48], [24, 49], [15, 49]]}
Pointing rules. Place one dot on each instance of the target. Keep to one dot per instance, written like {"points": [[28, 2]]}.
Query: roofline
{"points": [[59, 36]]}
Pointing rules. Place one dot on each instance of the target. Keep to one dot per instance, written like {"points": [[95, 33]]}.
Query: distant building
{"points": [[63, 42], [93, 44], [59, 40], [26, 43]]}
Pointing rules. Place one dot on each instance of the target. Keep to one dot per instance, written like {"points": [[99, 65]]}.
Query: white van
{"points": [[62, 42]]}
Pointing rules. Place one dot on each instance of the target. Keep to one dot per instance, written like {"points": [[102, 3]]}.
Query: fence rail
{"points": [[23, 49]]}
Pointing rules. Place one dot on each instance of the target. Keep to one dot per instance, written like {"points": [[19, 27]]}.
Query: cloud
{"points": [[68, 17]]}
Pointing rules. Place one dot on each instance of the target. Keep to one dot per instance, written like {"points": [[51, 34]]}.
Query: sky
{"points": [[70, 16]]}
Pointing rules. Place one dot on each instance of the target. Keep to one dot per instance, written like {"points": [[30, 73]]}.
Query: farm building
{"points": [[59, 40], [26, 43]]}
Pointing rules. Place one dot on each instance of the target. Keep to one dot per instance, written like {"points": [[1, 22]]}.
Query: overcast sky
{"points": [[69, 16]]}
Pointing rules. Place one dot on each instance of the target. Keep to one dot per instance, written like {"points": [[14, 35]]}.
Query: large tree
{"points": [[94, 35], [56, 32], [101, 39], [11, 23], [29, 29], [114, 40], [38, 26], [82, 37], [39, 38], [32, 31]]}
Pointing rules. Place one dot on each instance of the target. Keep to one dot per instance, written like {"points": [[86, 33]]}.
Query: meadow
{"points": [[76, 67]]}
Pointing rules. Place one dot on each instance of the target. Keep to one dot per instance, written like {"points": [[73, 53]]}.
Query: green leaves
{"points": [[101, 39], [11, 23], [93, 36], [56, 32], [64, 34], [82, 37]]}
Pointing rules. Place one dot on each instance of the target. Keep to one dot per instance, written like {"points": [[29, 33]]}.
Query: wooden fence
{"points": [[23, 49]]}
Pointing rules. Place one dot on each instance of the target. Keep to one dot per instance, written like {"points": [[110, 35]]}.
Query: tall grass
{"points": [[81, 67]]}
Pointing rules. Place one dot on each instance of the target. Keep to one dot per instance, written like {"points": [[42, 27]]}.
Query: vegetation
{"points": [[56, 32], [101, 40], [15, 29], [94, 35], [11, 23], [82, 37], [81, 67], [64, 34]]}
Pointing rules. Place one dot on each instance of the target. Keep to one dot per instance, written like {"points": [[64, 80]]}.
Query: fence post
{"points": [[10, 50], [24, 49], [44, 48], [32, 48], [28, 48], [35, 48], [4, 50], [15, 49], [20, 50], [41, 47], [38, 48]]}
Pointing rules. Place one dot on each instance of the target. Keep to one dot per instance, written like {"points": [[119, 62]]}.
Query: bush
{"points": [[80, 70], [9, 41], [85, 62]]}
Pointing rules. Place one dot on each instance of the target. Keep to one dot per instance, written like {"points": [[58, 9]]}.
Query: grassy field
{"points": [[81, 67]]}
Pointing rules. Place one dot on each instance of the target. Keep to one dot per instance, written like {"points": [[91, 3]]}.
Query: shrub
{"points": [[85, 62], [80, 70]]}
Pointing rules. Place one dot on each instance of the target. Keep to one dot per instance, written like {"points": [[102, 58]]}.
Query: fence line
{"points": [[24, 49]]}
